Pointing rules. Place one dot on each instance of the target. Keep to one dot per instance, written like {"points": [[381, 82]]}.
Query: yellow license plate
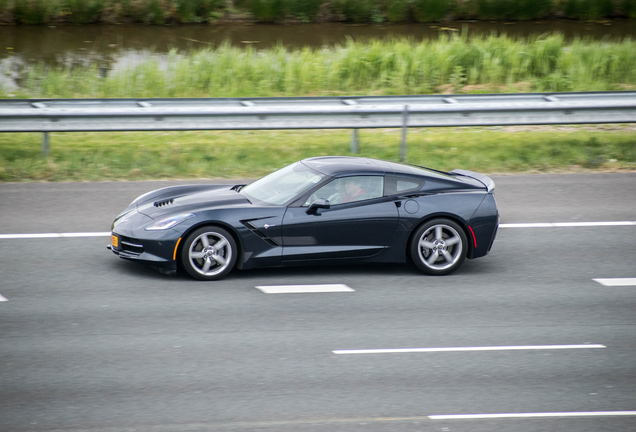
{"points": [[114, 240]]}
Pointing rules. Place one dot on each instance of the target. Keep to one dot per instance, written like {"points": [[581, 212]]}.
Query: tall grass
{"points": [[356, 11], [630, 8], [88, 11], [85, 11], [33, 11], [588, 9], [143, 11], [515, 9], [196, 10], [306, 10], [400, 66]]}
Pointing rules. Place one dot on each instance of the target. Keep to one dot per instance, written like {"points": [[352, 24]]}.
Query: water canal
{"points": [[113, 46], [64, 44]]}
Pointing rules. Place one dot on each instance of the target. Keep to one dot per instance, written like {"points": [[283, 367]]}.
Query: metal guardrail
{"points": [[74, 115]]}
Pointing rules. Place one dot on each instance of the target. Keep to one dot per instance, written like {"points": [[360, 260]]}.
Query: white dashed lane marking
{"points": [[616, 281], [296, 289], [567, 224], [2, 298], [532, 415], [464, 349]]}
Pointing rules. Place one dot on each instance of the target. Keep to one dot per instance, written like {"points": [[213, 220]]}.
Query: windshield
{"points": [[283, 185]]}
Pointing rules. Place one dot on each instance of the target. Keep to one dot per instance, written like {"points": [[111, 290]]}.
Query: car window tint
{"points": [[350, 189], [283, 185], [406, 185], [401, 185]]}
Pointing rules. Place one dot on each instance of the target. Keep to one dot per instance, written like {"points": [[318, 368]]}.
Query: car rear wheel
{"points": [[439, 247], [209, 253]]}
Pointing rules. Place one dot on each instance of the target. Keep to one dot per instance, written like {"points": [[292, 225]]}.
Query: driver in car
{"points": [[354, 190]]}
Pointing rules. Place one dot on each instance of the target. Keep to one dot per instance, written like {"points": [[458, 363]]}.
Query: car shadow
{"points": [[141, 270], [316, 272], [321, 272]]}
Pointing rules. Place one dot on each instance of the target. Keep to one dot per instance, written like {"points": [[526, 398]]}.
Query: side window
{"points": [[350, 189], [401, 185], [406, 185]]}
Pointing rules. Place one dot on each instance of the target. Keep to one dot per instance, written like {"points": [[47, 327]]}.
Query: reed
{"points": [[354, 10], [33, 11], [85, 11], [268, 10], [450, 64], [431, 10], [630, 8], [588, 9], [188, 11], [514, 9]]}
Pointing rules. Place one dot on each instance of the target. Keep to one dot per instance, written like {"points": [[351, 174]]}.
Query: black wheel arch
{"points": [[459, 221], [229, 228]]}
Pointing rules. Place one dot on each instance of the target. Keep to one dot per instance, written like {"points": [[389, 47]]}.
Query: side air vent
{"points": [[164, 203], [255, 230]]}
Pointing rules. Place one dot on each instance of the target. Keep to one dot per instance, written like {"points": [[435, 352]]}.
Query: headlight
{"points": [[169, 222]]}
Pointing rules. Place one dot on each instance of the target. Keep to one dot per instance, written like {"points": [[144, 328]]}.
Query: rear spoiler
{"points": [[486, 181]]}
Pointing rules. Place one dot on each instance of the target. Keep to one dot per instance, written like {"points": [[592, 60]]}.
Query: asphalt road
{"points": [[89, 342]]}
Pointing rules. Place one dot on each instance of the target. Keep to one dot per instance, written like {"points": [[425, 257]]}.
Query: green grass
{"points": [[251, 154], [380, 67], [455, 64]]}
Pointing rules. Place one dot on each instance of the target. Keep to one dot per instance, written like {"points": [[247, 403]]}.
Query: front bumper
{"points": [[158, 251]]}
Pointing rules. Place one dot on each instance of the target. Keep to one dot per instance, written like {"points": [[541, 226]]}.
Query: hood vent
{"points": [[164, 202]]}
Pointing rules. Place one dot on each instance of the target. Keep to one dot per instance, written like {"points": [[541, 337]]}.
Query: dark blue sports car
{"points": [[325, 210]]}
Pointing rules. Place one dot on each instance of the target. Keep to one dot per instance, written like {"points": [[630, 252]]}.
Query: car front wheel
{"points": [[439, 247], [209, 253]]}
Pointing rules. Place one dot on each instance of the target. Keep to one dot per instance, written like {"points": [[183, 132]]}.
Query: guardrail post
{"points": [[354, 141], [45, 143], [405, 119]]}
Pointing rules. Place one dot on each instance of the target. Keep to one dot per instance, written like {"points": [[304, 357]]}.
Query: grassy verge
{"points": [[381, 67], [247, 154], [455, 64]]}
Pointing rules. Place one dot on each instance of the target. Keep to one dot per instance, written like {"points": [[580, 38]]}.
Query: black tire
{"points": [[431, 239], [212, 261]]}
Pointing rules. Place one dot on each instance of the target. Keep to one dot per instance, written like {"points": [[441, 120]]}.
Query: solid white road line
{"points": [[2, 298], [567, 224], [533, 415], [295, 289], [616, 281], [54, 235], [457, 349]]}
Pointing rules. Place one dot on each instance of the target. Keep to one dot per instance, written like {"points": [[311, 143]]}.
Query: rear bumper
{"points": [[485, 224]]}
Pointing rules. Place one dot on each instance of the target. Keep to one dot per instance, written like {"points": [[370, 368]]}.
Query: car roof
{"points": [[341, 165], [338, 165]]}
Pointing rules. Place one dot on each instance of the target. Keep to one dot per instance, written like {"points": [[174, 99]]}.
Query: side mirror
{"points": [[320, 203]]}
